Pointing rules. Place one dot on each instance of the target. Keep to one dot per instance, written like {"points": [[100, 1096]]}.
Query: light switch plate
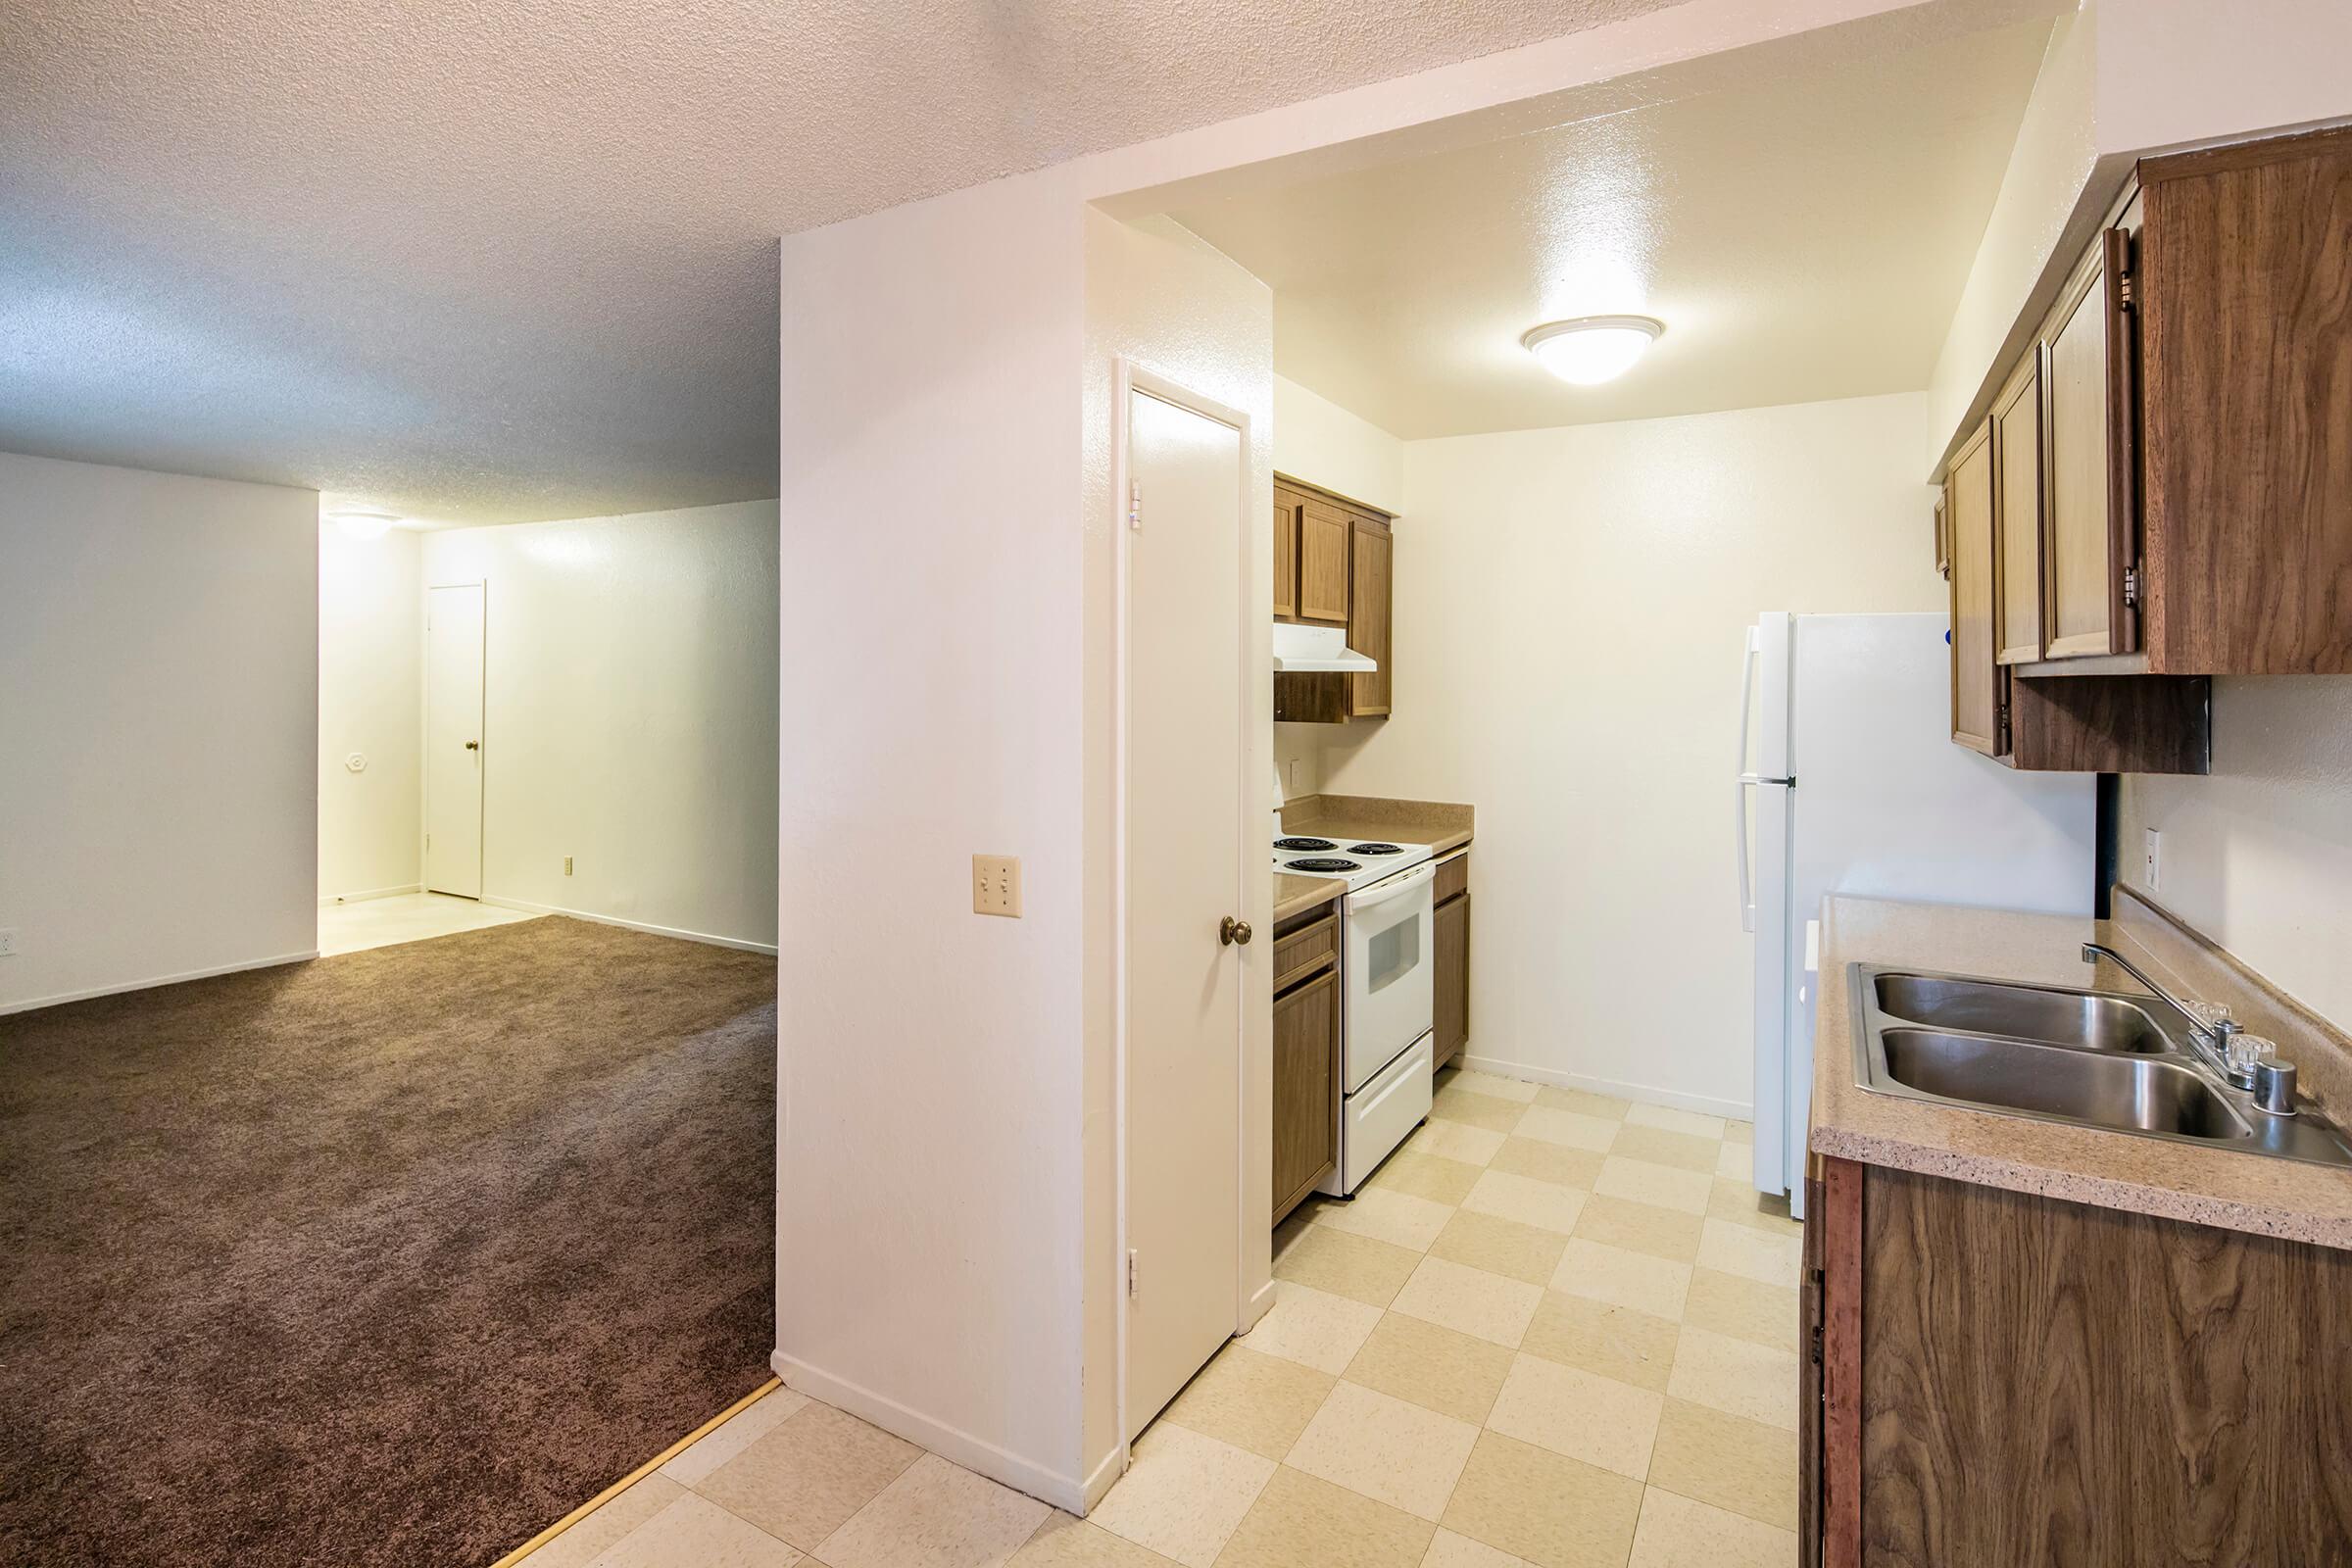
{"points": [[2152, 869], [8, 944], [567, 865], [996, 885]]}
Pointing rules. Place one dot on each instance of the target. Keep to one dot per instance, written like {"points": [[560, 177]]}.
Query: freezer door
{"points": [[1775, 653], [1774, 1157]]}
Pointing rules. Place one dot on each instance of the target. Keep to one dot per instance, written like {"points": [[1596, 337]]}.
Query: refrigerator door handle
{"points": [[1743, 781], [1748, 881]]}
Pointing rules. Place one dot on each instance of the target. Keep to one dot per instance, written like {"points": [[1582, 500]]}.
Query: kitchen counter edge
{"points": [[1296, 895]]}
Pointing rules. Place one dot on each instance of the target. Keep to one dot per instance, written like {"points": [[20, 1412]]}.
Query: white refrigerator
{"points": [[1849, 782]]}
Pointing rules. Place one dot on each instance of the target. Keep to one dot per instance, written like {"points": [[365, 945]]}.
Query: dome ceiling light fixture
{"points": [[1588, 349]]}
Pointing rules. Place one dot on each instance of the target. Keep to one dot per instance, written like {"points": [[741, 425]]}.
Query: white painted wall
{"points": [[2178, 71], [2258, 855], [2036, 227], [158, 727], [1570, 608], [371, 689], [1324, 444], [629, 714], [930, 1208]]}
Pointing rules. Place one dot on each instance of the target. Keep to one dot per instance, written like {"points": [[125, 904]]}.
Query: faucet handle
{"points": [[2245, 1055]]}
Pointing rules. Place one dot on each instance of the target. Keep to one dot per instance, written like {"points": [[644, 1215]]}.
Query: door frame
{"points": [[1131, 377], [425, 721]]}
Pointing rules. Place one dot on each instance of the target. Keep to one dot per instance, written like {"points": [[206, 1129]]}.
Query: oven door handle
{"points": [[1402, 887]]}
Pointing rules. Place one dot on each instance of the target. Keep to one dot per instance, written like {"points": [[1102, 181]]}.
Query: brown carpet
{"points": [[387, 1258]]}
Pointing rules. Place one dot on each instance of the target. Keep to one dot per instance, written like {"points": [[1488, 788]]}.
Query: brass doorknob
{"points": [[474, 746], [1233, 933]]}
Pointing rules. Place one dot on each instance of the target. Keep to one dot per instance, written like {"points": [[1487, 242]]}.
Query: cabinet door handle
{"points": [[1232, 933]]}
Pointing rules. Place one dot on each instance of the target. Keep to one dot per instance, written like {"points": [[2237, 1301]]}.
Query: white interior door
{"points": [[453, 740], [1184, 868]]}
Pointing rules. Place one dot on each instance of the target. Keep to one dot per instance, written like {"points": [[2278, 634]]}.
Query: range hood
{"points": [[1298, 649]]}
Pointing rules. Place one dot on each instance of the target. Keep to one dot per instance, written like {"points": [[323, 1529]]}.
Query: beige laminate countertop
{"points": [[1296, 895], [1441, 825], [2240, 1192]]}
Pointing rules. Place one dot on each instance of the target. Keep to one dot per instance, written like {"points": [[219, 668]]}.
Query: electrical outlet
{"points": [[567, 865], [996, 885], [8, 944], [2152, 869]]}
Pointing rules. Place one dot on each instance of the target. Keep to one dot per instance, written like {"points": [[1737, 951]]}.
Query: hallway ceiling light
{"points": [[1591, 349], [362, 523]]}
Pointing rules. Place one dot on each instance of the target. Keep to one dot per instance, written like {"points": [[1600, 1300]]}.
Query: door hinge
{"points": [[1817, 1345], [1135, 504], [1133, 1287], [2125, 291], [2131, 586]]}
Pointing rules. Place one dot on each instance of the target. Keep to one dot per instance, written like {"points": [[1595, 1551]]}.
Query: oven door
{"points": [[1389, 973]]}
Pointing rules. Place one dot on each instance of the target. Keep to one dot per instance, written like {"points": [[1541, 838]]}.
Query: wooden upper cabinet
{"points": [[1288, 505], [2244, 299], [1975, 678], [2017, 515], [1370, 602], [2092, 541], [1323, 530], [1334, 563]]}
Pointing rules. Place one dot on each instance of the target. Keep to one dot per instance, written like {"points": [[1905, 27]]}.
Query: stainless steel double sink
{"points": [[2091, 1058]]}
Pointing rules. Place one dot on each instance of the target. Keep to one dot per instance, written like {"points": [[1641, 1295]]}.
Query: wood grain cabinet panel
{"points": [[1302, 949], [2017, 516], [1450, 977], [2245, 324], [2046, 1382], [2091, 543], [1323, 533], [1975, 678], [1306, 1067], [1288, 505], [1370, 604]]}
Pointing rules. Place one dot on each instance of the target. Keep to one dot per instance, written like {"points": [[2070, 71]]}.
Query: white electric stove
{"points": [[1386, 965]]}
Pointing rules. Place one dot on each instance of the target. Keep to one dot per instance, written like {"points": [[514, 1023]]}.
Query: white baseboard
{"points": [[334, 899], [529, 908], [1643, 1094], [1066, 1492], [63, 997], [1098, 1480]]}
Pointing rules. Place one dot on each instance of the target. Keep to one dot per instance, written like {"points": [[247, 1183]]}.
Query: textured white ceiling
{"points": [[1804, 232], [497, 260]]}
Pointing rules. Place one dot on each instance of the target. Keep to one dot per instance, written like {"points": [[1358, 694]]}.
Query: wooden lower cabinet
{"points": [[1306, 1071], [2034, 1381], [1451, 979]]}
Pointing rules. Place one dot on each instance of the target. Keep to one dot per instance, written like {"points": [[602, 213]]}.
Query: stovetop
{"points": [[1359, 862]]}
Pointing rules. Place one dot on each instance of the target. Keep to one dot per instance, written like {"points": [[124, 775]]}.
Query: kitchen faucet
{"points": [[2209, 1031]]}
